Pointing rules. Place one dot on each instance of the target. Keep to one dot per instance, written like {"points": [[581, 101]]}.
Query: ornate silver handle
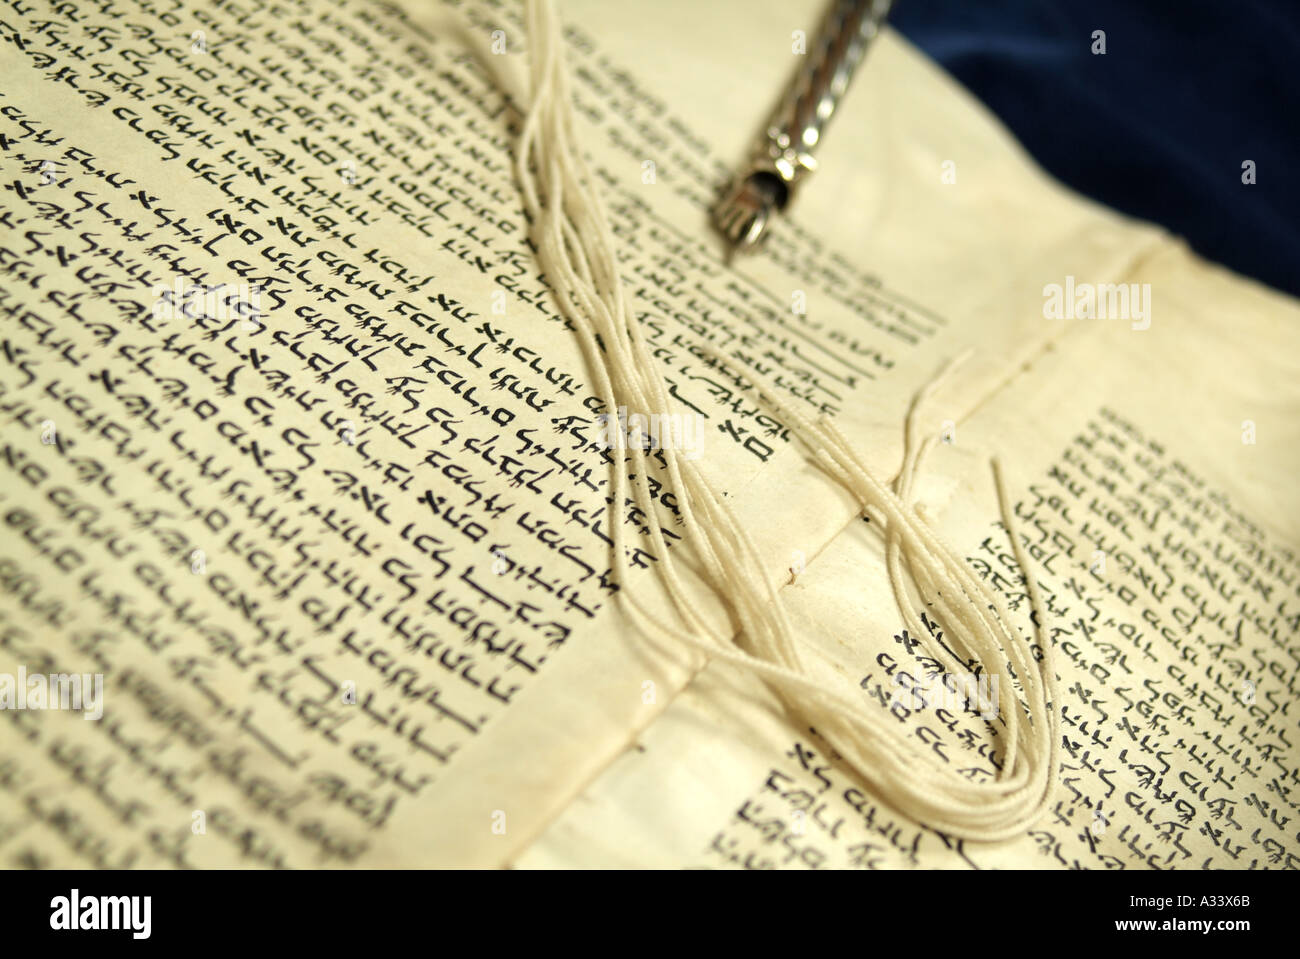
{"points": [[783, 154]]}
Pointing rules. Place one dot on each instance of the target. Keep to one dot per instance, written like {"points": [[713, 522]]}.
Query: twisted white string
{"points": [[576, 251]]}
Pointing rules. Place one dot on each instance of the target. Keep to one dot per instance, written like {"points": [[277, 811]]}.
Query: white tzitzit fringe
{"points": [[576, 251]]}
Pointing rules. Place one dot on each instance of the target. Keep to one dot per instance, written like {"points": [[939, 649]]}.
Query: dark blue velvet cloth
{"points": [[1160, 125]]}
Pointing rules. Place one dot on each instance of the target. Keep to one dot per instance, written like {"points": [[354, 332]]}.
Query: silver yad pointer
{"points": [[782, 155]]}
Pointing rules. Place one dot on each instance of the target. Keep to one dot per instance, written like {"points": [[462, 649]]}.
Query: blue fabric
{"points": [[1160, 125]]}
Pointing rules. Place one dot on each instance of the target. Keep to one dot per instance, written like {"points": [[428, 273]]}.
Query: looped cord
{"points": [[576, 252]]}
